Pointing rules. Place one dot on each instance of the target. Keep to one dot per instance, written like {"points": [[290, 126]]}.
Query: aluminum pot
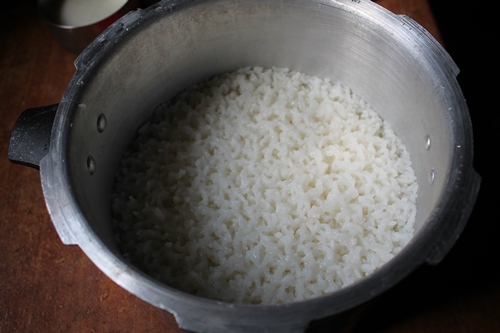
{"points": [[149, 55]]}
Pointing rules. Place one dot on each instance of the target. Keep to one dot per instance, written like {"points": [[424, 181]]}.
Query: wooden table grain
{"points": [[46, 286]]}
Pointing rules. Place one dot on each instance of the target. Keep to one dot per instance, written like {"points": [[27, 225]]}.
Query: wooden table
{"points": [[46, 286]]}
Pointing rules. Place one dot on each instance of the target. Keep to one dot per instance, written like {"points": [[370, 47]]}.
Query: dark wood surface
{"points": [[46, 286]]}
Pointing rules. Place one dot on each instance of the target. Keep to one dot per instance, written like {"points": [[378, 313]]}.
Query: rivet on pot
{"points": [[432, 175], [90, 165], [101, 123], [427, 142]]}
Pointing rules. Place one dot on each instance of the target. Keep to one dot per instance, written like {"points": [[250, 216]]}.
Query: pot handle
{"points": [[30, 137]]}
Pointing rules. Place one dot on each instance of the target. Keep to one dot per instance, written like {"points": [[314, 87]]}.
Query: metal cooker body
{"points": [[62, 174]]}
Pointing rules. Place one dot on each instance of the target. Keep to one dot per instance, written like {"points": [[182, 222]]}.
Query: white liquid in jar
{"points": [[84, 12]]}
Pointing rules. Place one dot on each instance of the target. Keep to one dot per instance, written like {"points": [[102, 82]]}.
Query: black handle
{"points": [[30, 137]]}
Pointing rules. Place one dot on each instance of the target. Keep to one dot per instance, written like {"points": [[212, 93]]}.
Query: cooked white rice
{"points": [[264, 186]]}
